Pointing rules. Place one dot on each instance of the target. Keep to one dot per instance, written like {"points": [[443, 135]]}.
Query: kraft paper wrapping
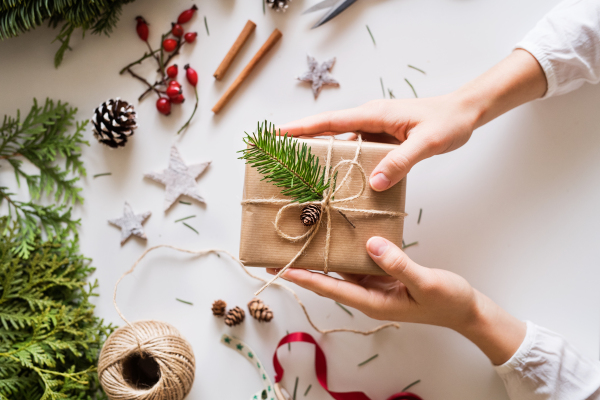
{"points": [[261, 246]]}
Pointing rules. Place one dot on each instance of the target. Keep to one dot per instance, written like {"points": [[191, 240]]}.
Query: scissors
{"points": [[335, 8]]}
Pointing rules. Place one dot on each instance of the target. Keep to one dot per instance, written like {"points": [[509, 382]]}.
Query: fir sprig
{"points": [[285, 163], [43, 138], [99, 16], [49, 336]]}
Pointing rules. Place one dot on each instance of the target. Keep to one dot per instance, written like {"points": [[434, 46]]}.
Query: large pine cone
{"points": [[310, 214], [235, 316], [278, 5], [114, 121], [259, 310], [218, 308]]}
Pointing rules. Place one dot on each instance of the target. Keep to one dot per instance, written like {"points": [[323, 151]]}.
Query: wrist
{"points": [[497, 333], [471, 105], [516, 80]]}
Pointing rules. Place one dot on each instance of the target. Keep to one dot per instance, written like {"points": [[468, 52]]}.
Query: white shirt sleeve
{"points": [[547, 367], [566, 43]]}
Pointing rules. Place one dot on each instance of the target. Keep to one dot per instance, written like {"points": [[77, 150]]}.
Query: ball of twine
{"points": [[147, 360]]}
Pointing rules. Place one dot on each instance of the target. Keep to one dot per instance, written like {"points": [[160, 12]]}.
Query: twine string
{"points": [[239, 262], [328, 204]]}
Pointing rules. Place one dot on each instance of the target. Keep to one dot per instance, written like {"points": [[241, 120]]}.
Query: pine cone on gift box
{"points": [[310, 214], [260, 310], [114, 121], [235, 316], [278, 5], [218, 308]]}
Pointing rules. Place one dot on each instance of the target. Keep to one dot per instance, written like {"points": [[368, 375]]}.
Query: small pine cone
{"points": [[235, 316], [114, 121], [278, 5], [310, 214], [260, 311], [218, 308]]}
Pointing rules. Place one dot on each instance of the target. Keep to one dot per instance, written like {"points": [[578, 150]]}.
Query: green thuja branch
{"points": [[49, 336], [43, 139], [99, 16], [286, 163]]}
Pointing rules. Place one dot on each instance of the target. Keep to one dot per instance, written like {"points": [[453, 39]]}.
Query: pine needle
{"points": [[382, 87], [391, 94], [371, 34], [295, 388], [184, 302], [206, 25], [411, 86], [102, 174], [418, 69], [344, 308], [185, 202], [286, 163], [191, 227], [307, 390], [289, 344], [411, 385], [420, 213], [406, 246], [183, 219], [368, 360]]}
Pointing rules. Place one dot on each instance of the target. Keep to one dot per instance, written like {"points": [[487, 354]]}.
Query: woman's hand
{"points": [[437, 125], [413, 293], [425, 127]]}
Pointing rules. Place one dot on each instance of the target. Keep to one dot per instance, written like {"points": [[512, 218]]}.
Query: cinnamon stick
{"points": [[234, 50], [268, 45]]}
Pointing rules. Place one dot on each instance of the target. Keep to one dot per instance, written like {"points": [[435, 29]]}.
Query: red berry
{"points": [[142, 28], [175, 83], [163, 105], [169, 45], [191, 75], [177, 30], [173, 90], [190, 36], [172, 71], [186, 15], [178, 99]]}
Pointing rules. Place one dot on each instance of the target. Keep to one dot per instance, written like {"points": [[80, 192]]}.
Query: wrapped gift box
{"points": [[261, 246]]}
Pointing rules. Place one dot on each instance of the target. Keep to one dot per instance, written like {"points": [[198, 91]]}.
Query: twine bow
{"points": [[328, 204]]}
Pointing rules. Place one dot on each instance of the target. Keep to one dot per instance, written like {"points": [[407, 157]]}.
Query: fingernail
{"points": [[379, 182], [377, 246]]}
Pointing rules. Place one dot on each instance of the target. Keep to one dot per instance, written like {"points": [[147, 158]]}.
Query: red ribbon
{"points": [[321, 370]]}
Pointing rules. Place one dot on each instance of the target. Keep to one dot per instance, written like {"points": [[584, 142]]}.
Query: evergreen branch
{"points": [[42, 138], [64, 37], [285, 163], [109, 18], [52, 352], [101, 16]]}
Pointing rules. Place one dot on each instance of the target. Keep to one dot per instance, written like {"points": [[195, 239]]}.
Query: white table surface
{"points": [[515, 211]]}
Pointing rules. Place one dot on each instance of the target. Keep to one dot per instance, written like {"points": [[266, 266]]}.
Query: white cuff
{"points": [[542, 57], [518, 359]]}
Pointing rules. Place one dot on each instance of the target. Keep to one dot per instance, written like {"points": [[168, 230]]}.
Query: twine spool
{"points": [[147, 360]]}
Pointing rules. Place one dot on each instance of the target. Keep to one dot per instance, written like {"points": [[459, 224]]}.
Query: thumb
{"points": [[398, 162], [396, 263]]}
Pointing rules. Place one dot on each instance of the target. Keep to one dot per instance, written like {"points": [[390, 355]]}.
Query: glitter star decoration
{"points": [[131, 223], [318, 74], [179, 179]]}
